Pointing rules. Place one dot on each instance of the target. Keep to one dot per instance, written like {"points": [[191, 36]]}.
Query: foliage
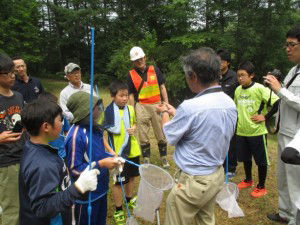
{"points": [[120, 62], [51, 33], [19, 29]]}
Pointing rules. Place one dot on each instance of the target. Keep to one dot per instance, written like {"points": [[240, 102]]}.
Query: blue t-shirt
{"points": [[59, 142]]}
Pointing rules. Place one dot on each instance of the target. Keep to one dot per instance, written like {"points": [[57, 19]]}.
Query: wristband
{"points": [[165, 111]]}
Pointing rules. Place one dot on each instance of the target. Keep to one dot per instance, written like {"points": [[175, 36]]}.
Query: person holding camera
{"points": [[291, 155], [11, 142], [289, 122]]}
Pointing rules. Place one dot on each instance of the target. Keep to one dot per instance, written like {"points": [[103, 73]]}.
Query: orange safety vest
{"points": [[150, 92]]}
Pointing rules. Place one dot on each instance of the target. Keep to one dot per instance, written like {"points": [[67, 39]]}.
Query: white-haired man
{"points": [[73, 74]]}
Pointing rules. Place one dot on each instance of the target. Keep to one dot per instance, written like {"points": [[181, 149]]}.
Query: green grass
{"points": [[255, 210]]}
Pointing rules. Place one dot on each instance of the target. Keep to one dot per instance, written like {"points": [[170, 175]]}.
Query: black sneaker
{"points": [[277, 218]]}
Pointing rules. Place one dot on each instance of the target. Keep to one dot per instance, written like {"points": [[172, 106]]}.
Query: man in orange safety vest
{"points": [[147, 88]]}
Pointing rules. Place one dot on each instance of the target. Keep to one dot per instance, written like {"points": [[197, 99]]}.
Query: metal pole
{"points": [[91, 118], [157, 216]]}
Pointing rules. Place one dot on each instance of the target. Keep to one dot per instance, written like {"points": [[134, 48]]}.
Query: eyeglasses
{"points": [[290, 44], [11, 73]]}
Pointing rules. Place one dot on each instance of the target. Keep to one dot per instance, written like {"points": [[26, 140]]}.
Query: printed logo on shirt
{"points": [[9, 117], [152, 77], [36, 89], [244, 100]]}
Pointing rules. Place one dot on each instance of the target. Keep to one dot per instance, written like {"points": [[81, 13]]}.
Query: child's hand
{"points": [[131, 130], [258, 118], [113, 153], [120, 162], [108, 163], [9, 136]]}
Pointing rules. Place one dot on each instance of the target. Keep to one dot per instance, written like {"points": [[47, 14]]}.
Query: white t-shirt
{"points": [[65, 95]]}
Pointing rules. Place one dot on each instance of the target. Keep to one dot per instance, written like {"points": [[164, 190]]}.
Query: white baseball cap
{"points": [[136, 53]]}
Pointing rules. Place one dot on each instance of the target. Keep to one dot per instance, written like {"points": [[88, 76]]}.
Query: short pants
{"points": [[129, 171]]}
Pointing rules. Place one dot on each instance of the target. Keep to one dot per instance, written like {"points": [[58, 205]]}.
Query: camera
{"points": [[18, 127], [277, 74]]}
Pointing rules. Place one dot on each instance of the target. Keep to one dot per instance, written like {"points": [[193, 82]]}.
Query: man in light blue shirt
{"points": [[201, 130]]}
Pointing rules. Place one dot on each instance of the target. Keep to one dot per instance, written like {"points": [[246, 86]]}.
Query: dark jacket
{"points": [[229, 82], [29, 90], [44, 186], [77, 147]]}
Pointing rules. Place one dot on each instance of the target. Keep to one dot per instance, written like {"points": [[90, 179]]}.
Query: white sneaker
{"points": [[164, 162]]}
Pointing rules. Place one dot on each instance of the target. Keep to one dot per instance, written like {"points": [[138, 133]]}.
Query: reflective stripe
{"points": [[150, 92], [74, 148]]}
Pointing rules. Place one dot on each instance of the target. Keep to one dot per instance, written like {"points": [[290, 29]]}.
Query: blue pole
{"points": [[227, 169], [91, 118]]}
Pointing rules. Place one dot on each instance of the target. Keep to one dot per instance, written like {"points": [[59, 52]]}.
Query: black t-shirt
{"points": [[10, 113], [229, 82], [143, 75], [29, 90]]}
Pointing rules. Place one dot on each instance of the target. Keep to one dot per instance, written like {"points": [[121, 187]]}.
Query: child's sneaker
{"points": [[132, 203], [245, 184], [119, 217], [258, 192]]}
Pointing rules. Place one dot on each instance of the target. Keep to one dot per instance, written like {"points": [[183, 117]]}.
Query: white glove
{"points": [[87, 181], [121, 162]]}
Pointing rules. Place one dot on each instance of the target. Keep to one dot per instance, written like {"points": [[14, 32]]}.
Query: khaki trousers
{"points": [[193, 199], [9, 194], [146, 115]]}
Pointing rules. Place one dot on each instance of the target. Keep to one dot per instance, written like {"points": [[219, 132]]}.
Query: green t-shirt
{"points": [[248, 101], [119, 138]]}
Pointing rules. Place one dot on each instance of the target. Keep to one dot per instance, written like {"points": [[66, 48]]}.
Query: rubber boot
{"points": [[146, 153], [163, 154]]}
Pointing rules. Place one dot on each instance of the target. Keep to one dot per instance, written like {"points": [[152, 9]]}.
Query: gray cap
{"points": [[70, 67]]}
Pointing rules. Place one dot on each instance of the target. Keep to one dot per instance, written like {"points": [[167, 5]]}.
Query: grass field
{"points": [[255, 210]]}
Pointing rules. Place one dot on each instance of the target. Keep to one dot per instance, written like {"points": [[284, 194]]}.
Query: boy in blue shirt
{"points": [[77, 146], [120, 122]]}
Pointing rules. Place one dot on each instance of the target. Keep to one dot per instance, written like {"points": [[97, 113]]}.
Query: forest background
{"points": [[50, 33]]}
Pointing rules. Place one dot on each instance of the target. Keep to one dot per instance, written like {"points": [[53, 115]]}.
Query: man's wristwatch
{"points": [[164, 111]]}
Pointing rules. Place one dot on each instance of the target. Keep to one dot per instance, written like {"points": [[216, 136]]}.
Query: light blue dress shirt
{"points": [[201, 131]]}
